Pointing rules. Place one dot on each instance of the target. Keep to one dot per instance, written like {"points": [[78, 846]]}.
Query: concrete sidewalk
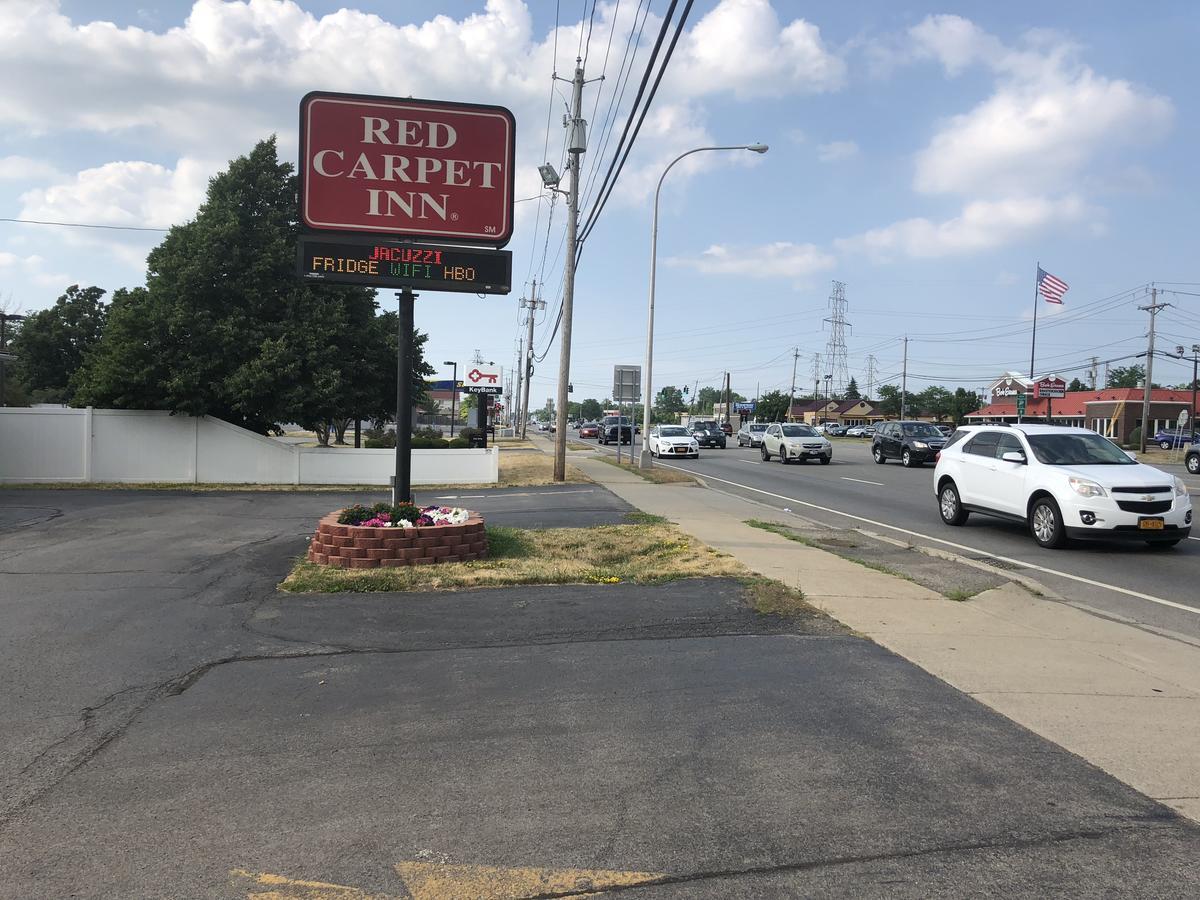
{"points": [[1126, 700]]}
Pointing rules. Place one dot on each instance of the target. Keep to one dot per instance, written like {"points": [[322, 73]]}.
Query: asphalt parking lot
{"points": [[181, 729]]}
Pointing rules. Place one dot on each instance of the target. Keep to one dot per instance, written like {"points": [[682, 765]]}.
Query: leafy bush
{"points": [[1135, 438], [467, 433], [429, 432], [459, 444], [380, 440], [357, 514]]}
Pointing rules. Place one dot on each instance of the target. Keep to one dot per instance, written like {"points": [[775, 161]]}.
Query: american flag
{"points": [[1050, 287]]}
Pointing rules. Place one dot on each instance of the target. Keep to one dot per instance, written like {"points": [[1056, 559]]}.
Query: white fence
{"points": [[117, 445]]}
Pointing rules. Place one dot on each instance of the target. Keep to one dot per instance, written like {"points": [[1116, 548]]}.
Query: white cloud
{"points": [[1047, 119], [740, 47], [24, 168], [982, 225], [34, 268], [780, 259], [836, 151]]}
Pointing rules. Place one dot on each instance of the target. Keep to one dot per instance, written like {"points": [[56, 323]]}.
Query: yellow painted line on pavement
{"points": [[280, 887], [441, 881]]}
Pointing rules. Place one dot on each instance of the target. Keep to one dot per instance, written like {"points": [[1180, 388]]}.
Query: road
{"points": [[176, 727], [1155, 589]]}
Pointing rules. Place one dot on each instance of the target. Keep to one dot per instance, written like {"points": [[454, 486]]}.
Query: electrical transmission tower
{"points": [[872, 375], [835, 349]]}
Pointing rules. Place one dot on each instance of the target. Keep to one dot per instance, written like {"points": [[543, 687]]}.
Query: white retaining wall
{"points": [[117, 445]]}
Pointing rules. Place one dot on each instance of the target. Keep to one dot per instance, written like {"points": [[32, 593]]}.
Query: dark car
{"points": [[616, 428], [1192, 460], [727, 428], [708, 433], [1176, 437], [913, 443]]}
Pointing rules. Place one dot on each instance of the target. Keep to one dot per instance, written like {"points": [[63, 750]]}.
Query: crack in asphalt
{"points": [[1050, 839]]}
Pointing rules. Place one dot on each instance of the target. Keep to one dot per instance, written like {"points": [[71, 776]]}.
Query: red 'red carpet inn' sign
{"points": [[407, 167]]}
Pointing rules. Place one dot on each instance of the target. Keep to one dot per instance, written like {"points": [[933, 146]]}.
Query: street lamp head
{"points": [[757, 148], [449, 362], [549, 175]]}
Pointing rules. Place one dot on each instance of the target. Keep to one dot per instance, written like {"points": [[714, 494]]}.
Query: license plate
{"points": [[814, 452], [1150, 524]]}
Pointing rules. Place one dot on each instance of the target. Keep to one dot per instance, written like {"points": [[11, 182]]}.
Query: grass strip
{"points": [[774, 598], [656, 475], [607, 554]]}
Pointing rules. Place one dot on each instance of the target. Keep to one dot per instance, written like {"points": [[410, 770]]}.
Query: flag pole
{"points": [[1033, 343]]}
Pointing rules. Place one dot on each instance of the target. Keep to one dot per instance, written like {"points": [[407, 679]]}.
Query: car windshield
{"points": [[758, 427], [1077, 450], [704, 426], [922, 429], [798, 431], [673, 431]]}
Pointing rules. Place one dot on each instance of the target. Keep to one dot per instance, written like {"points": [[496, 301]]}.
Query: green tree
{"points": [[668, 404], [935, 400], [1126, 377], [224, 327], [1076, 385], [852, 391], [591, 410], [772, 407], [889, 400], [51, 344], [705, 398], [964, 402]]}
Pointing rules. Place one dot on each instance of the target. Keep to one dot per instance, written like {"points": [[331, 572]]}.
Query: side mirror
{"points": [[1013, 456], [1131, 454]]}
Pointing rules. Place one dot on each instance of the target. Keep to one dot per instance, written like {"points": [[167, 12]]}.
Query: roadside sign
{"points": [[383, 263], [1021, 404], [1050, 388], [627, 384], [1183, 418], [480, 378], [746, 407], [385, 165]]}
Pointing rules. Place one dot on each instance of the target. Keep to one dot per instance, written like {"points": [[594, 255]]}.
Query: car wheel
{"points": [[877, 452], [906, 459], [722, 445], [783, 457], [765, 455], [1046, 524], [1193, 464], [1162, 545], [826, 460], [950, 505], [1166, 445]]}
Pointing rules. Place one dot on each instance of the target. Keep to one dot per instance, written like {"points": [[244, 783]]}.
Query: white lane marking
{"points": [[864, 481], [1018, 562], [751, 462]]}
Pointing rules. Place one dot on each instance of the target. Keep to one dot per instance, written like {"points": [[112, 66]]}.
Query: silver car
{"points": [[790, 442], [750, 435]]}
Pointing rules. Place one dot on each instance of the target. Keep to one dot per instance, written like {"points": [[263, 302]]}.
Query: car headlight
{"points": [[695, 446], [920, 445], [1086, 488], [1181, 489]]}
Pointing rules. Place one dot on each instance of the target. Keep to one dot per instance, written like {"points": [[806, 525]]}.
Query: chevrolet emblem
{"points": [[1147, 497]]}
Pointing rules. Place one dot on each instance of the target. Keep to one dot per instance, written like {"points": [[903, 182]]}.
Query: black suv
{"points": [[708, 433], [913, 443], [616, 430]]}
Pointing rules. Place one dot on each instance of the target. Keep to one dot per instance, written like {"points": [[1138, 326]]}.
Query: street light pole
{"points": [[453, 393], [644, 460]]}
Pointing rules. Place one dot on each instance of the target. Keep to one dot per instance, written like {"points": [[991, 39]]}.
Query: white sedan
{"points": [[673, 440]]}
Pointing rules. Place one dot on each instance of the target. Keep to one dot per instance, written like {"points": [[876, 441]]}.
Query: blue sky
{"points": [[928, 157]]}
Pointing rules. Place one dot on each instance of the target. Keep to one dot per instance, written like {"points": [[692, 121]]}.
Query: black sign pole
{"points": [[402, 484]]}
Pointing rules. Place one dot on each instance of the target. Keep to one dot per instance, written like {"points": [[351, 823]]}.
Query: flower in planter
{"points": [[382, 515]]}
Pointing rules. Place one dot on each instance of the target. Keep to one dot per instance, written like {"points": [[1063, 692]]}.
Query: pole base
{"points": [[645, 460]]}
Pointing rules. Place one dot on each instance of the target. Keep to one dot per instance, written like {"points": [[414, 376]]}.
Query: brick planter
{"points": [[360, 547]]}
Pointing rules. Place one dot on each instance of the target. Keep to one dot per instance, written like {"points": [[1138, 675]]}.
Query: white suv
{"points": [[794, 442], [1062, 482]]}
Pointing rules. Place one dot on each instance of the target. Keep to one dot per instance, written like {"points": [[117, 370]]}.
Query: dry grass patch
{"points": [[774, 598], [526, 469], [658, 474], [609, 554]]}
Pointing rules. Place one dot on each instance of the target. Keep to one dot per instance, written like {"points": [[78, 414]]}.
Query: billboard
{"points": [[427, 169], [1050, 388]]}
